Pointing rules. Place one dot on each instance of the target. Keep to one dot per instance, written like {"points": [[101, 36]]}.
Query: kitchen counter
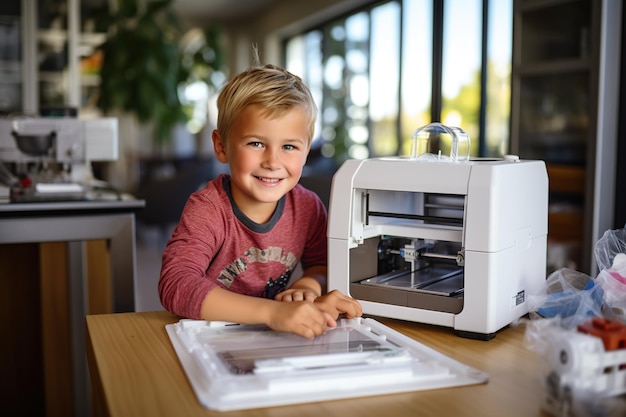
{"points": [[64, 233], [124, 203], [77, 221]]}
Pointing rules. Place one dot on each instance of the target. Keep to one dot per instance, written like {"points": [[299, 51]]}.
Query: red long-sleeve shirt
{"points": [[215, 244]]}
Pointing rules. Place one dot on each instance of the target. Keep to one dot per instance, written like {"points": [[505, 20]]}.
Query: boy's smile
{"points": [[265, 156]]}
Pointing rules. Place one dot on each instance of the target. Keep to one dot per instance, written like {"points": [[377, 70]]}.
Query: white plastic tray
{"points": [[233, 367]]}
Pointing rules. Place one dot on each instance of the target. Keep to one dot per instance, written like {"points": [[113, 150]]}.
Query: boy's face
{"points": [[265, 157]]}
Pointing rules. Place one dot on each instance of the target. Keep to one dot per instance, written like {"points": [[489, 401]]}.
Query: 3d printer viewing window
{"points": [[384, 70]]}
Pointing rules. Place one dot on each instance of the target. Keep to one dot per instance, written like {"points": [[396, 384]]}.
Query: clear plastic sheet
{"points": [[235, 367]]}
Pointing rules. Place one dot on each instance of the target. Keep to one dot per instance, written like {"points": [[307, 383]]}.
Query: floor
{"points": [[150, 243]]}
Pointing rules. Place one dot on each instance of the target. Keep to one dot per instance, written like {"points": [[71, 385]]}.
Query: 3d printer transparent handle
{"points": [[425, 138]]}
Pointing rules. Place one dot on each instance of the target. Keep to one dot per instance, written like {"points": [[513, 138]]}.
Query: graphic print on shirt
{"points": [[274, 287], [272, 254]]}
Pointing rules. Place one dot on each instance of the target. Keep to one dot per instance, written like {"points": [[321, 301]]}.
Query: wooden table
{"points": [[135, 372]]}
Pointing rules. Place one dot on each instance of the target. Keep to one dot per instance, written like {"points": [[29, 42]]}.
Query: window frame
{"points": [[436, 94]]}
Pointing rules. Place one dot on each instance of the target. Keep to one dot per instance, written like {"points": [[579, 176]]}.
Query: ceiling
{"points": [[203, 11]]}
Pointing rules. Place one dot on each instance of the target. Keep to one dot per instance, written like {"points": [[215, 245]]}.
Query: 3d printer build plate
{"points": [[233, 367]]}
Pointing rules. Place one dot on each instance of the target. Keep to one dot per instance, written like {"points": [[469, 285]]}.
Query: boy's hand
{"points": [[302, 318], [336, 303], [297, 294]]}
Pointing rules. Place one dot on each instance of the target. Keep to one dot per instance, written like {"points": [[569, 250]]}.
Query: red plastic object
{"points": [[612, 333], [26, 182]]}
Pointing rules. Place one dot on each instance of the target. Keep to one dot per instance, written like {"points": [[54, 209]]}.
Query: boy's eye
{"points": [[255, 144], [289, 147]]}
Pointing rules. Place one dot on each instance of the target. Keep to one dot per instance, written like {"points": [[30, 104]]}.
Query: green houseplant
{"points": [[144, 65]]}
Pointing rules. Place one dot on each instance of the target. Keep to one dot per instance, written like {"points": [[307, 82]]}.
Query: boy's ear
{"points": [[218, 146]]}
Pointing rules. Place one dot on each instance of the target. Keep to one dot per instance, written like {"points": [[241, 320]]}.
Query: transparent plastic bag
{"points": [[609, 245], [610, 252], [569, 296], [613, 281]]}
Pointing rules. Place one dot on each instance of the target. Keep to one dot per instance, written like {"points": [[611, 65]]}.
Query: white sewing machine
{"points": [[456, 243], [50, 158]]}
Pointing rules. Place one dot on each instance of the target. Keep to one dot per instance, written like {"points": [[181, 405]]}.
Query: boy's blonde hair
{"points": [[273, 88]]}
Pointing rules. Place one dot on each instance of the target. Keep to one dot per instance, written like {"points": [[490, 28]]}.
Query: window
{"points": [[381, 72]]}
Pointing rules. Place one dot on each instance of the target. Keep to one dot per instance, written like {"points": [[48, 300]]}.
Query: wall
{"points": [[608, 121]]}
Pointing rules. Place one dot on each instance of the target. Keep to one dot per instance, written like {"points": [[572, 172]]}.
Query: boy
{"points": [[239, 239]]}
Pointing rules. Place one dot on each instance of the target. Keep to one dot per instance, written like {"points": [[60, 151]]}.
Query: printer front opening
{"points": [[414, 271]]}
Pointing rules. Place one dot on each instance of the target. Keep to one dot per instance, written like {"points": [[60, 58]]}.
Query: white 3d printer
{"points": [[450, 241]]}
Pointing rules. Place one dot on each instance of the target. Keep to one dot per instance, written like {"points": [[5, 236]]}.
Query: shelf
{"points": [[532, 5], [51, 76], [555, 31], [555, 67], [566, 179], [10, 66], [88, 42], [52, 37], [92, 38], [565, 226], [90, 80]]}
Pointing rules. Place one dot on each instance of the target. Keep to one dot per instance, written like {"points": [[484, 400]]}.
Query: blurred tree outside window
{"points": [[153, 70], [387, 69]]}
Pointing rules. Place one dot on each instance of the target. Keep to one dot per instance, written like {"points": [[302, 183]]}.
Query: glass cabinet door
{"points": [[554, 117], [11, 79], [554, 114], [555, 81], [53, 44], [67, 56], [49, 62]]}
